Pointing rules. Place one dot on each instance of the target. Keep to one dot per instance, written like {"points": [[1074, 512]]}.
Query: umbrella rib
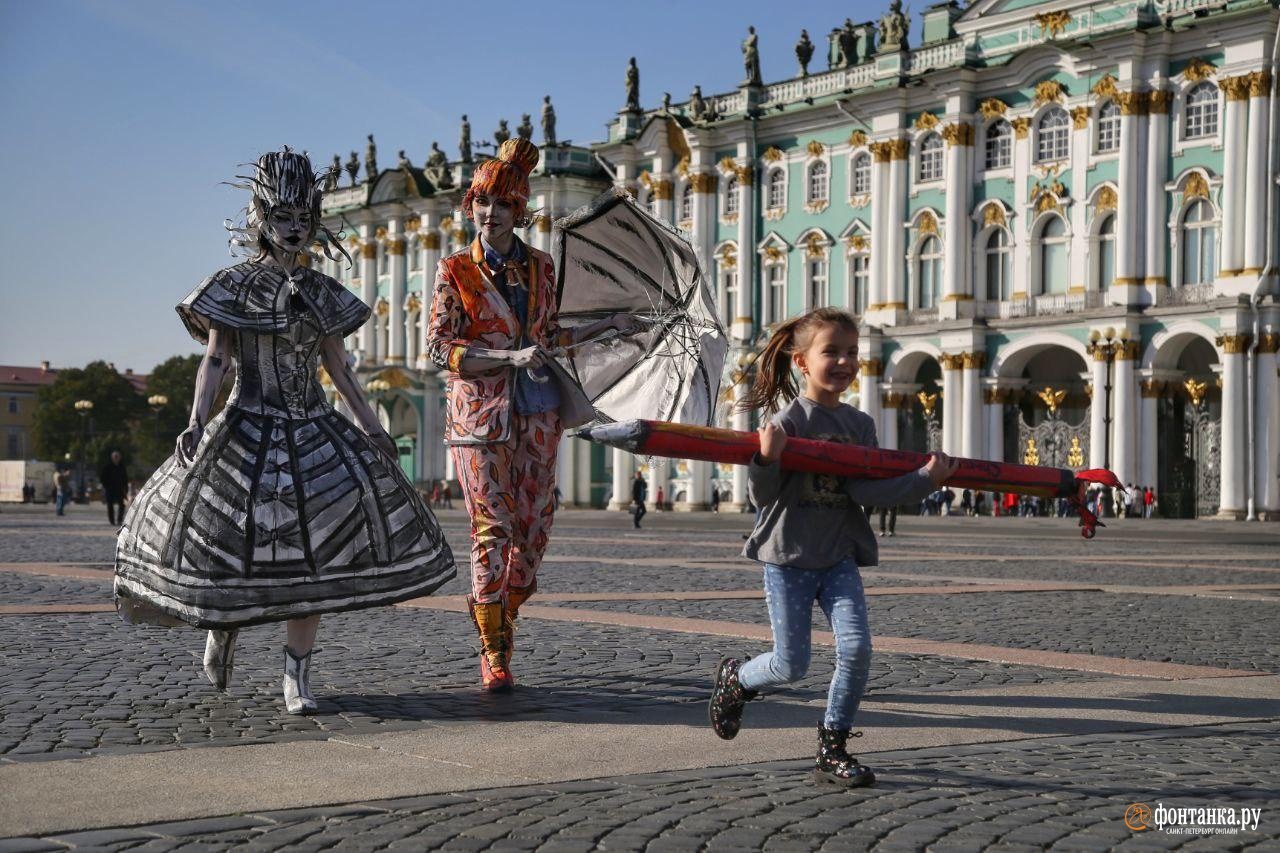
{"points": [[647, 279]]}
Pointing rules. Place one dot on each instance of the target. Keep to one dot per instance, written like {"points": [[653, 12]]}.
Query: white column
{"points": [[1266, 489], [623, 472], [1129, 206], [952, 403], [702, 177], [744, 324], [971, 437], [1124, 425], [995, 424], [869, 401], [582, 483], [1098, 410], [566, 466], [434, 450], [889, 421], [1078, 263], [1234, 141], [1148, 467], [1156, 234], [897, 238], [957, 230], [1255, 202], [880, 228], [1018, 226], [368, 292], [398, 292], [1233, 426]]}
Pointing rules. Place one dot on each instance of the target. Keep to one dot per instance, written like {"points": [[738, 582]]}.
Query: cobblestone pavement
{"points": [[86, 686], [1059, 794]]}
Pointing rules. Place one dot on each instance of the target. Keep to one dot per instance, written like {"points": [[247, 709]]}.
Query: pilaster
{"points": [[952, 403], [1235, 146], [1232, 348], [1255, 203], [395, 249], [972, 438], [957, 299]]}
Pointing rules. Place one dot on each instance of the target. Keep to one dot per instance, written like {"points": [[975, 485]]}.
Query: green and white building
{"points": [[1057, 222]]}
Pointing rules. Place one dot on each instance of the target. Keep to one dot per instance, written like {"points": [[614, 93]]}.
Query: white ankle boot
{"points": [[297, 683], [219, 657]]}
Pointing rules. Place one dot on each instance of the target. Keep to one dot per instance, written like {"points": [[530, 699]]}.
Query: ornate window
{"points": [[1105, 269], [1053, 135], [929, 273], [931, 150], [862, 174], [1108, 127], [731, 196], [728, 293], [816, 273], [777, 198], [999, 145], [777, 279], [999, 261], [816, 191], [859, 280], [686, 203], [1053, 256], [1199, 243], [1202, 112]]}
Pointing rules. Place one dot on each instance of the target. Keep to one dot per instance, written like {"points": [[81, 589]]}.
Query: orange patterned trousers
{"points": [[509, 489]]}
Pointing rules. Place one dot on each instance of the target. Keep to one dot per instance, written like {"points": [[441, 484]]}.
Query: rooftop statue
{"points": [[804, 52]]}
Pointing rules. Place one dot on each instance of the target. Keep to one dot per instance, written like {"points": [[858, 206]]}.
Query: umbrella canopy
{"points": [[612, 256]]}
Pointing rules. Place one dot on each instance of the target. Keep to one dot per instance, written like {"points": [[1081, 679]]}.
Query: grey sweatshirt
{"points": [[813, 521]]}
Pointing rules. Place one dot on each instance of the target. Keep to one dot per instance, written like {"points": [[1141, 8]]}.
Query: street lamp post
{"points": [[84, 408], [157, 402]]}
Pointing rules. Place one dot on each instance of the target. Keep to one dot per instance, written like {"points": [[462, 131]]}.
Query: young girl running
{"points": [[812, 534]]}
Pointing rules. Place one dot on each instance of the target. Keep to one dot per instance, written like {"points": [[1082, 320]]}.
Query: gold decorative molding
{"points": [[899, 148], [926, 121], [369, 251], [815, 148], [1159, 101], [1047, 202], [728, 164], [381, 233], [859, 201], [993, 108], [353, 240], [1268, 342], [746, 175], [773, 214], [1075, 454], [927, 223], [1233, 344], [395, 247], [413, 223], [1132, 103], [1052, 24], [446, 224], [704, 182], [1031, 456], [1259, 84], [382, 308], [973, 360], [661, 190], [1021, 127], [952, 361], [1052, 399], [682, 168], [1080, 118], [459, 236], [1197, 70], [729, 257], [773, 254], [858, 139], [893, 399], [928, 402], [1127, 350], [1235, 88], [815, 246], [817, 206], [772, 154], [870, 367], [1048, 90], [1106, 199], [1105, 87], [431, 240], [992, 214], [882, 152], [959, 133], [413, 304], [857, 242], [1195, 186], [1150, 388], [1195, 390], [645, 179]]}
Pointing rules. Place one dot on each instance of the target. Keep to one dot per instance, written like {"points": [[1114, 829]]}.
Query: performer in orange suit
{"points": [[493, 327]]}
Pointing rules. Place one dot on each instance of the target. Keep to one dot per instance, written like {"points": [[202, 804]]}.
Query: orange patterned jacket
{"points": [[467, 310]]}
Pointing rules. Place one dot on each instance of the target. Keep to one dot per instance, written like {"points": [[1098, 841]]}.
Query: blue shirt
{"points": [[531, 397]]}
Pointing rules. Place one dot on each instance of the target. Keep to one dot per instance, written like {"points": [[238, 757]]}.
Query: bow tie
{"points": [[514, 271]]}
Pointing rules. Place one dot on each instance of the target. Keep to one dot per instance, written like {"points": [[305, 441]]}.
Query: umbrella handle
{"points": [[541, 380]]}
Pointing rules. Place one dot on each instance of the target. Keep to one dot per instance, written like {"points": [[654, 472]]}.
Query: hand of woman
{"points": [[185, 447], [940, 468], [773, 439], [530, 357]]}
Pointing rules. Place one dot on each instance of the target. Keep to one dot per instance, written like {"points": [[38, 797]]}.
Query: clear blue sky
{"points": [[119, 120]]}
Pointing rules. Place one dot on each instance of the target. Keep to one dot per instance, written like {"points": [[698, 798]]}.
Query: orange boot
{"points": [[490, 620], [515, 598]]}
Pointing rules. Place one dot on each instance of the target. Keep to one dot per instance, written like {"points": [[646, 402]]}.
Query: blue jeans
{"points": [[60, 501], [790, 594]]}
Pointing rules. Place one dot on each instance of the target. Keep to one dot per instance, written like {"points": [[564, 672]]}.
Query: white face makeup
{"points": [[495, 218], [289, 228]]}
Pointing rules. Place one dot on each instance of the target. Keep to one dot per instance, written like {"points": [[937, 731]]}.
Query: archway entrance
{"points": [[1189, 428], [1049, 421], [920, 417]]}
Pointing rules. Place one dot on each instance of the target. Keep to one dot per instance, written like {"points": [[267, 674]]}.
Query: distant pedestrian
{"points": [[639, 492], [446, 492], [1148, 501], [966, 502], [715, 499], [1129, 496], [115, 485], [435, 495], [659, 504], [61, 490], [891, 513], [978, 499], [557, 497], [948, 498]]}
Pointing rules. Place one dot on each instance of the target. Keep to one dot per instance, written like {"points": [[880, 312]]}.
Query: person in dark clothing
{"points": [[639, 491], [890, 513], [115, 485]]}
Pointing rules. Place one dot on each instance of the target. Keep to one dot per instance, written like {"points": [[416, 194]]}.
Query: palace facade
{"points": [[1056, 221]]}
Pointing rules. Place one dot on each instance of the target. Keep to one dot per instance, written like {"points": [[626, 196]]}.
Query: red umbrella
{"points": [[680, 441]]}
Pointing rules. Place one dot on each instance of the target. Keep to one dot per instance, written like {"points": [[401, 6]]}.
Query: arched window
{"points": [[728, 293], [999, 260], [859, 279], [930, 273], [817, 186], [777, 275], [686, 202], [777, 198], [817, 275], [862, 174], [1202, 112], [1053, 256], [1053, 135], [731, 196], [1199, 243], [931, 158], [1108, 127], [1106, 263], [999, 145]]}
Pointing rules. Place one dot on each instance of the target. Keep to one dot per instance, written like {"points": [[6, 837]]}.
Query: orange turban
{"points": [[506, 177]]}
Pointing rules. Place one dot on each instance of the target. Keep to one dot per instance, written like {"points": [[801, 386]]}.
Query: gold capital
{"points": [[369, 250], [870, 366], [1234, 344], [959, 133], [1021, 127], [992, 108], [974, 360]]}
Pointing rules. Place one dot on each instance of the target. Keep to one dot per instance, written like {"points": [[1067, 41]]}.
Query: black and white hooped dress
{"points": [[288, 509]]}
